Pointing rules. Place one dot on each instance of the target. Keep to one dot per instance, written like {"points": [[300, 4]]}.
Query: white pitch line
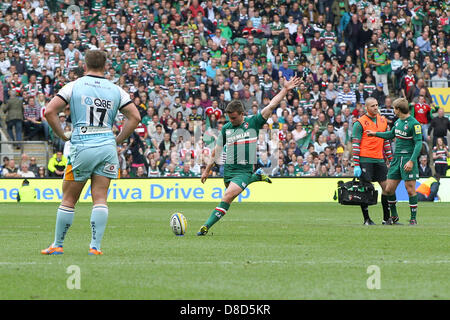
{"points": [[249, 262]]}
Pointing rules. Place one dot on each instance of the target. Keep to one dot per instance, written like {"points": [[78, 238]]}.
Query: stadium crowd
{"points": [[183, 61]]}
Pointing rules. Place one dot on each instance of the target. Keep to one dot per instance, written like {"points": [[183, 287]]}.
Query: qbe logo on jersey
{"points": [[96, 110]]}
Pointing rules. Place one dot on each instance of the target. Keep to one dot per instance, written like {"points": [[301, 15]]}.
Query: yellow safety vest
{"points": [[27, 194]]}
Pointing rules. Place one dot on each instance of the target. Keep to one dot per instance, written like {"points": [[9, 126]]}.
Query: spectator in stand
{"points": [[440, 156], [424, 167], [4, 164], [439, 126], [361, 94], [346, 97], [41, 172], [33, 167], [397, 69], [379, 94], [57, 164], [166, 144], [32, 117], [10, 169], [422, 112], [157, 52], [388, 112], [285, 71], [24, 171], [382, 67], [423, 42], [439, 80], [407, 82], [13, 109], [317, 42]]}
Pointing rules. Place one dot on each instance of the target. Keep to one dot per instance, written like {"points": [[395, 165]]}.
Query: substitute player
{"points": [[239, 137], [94, 102], [408, 133], [368, 156]]}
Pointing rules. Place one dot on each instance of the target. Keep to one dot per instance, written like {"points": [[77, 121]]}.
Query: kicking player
{"points": [[94, 102], [368, 156], [408, 133], [239, 137]]}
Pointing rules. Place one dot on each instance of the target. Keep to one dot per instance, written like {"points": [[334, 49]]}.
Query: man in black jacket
{"points": [[18, 62], [364, 36], [424, 168], [439, 125], [351, 34], [64, 39], [379, 95], [361, 94]]}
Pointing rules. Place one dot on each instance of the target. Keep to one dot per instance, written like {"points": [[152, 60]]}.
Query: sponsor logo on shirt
{"points": [[96, 102]]}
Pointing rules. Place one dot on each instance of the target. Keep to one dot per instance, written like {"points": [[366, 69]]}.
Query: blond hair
{"points": [[401, 104]]}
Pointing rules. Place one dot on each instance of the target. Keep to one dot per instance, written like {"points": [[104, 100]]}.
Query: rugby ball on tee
{"points": [[178, 223]]}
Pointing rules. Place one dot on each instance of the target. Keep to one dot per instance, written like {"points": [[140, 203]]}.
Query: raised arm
{"points": [[288, 85]]}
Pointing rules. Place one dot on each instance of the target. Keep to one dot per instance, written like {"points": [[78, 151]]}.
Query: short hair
{"points": [[370, 99], [401, 104], [95, 60], [235, 106]]}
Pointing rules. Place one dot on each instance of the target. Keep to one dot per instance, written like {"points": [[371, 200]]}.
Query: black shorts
{"points": [[373, 172]]}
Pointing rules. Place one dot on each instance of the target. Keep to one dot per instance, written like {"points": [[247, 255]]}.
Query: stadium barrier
{"points": [[192, 190], [441, 97]]}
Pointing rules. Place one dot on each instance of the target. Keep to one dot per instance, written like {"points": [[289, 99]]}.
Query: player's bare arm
{"points": [[55, 106], [133, 118], [216, 152], [288, 85]]}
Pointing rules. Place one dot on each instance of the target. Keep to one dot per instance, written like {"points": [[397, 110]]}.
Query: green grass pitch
{"points": [[257, 251]]}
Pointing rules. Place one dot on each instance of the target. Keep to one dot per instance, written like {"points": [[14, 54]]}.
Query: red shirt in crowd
{"points": [[410, 81], [196, 9], [420, 112]]}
